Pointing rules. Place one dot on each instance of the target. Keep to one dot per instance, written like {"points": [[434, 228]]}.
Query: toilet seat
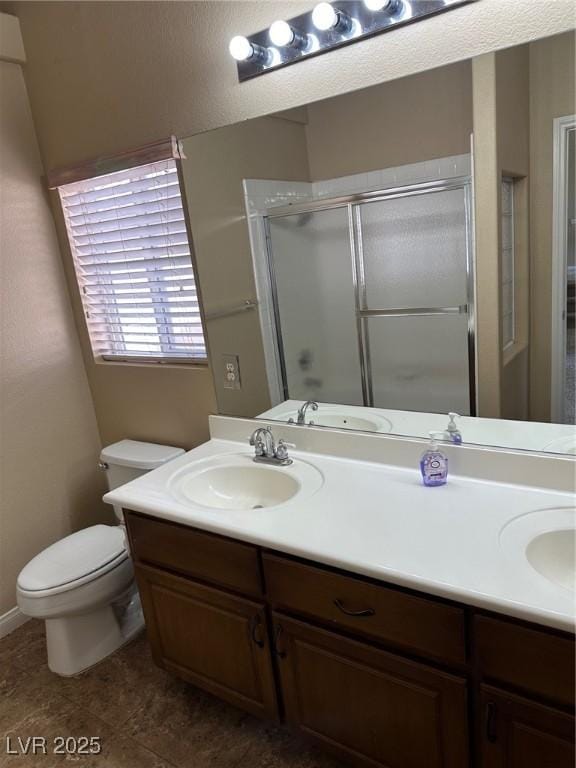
{"points": [[77, 559]]}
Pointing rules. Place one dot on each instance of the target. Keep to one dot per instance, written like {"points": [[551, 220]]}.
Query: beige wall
{"points": [[487, 237], [518, 93], [552, 94], [49, 441], [104, 76], [216, 164], [513, 144], [416, 118]]}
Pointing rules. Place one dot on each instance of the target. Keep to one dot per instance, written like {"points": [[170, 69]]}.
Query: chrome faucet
{"points": [[301, 419], [266, 450]]}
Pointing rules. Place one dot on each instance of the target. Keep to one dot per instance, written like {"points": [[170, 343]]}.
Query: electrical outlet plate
{"points": [[231, 366]]}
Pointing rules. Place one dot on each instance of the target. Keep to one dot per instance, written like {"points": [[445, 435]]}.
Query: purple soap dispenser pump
{"points": [[434, 463]]}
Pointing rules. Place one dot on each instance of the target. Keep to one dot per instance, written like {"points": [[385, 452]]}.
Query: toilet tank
{"points": [[128, 459]]}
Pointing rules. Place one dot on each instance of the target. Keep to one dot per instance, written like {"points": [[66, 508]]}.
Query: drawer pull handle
{"points": [[255, 623], [348, 612], [491, 732]]}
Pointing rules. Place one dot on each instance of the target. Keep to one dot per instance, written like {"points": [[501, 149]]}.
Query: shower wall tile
{"points": [[414, 173]]}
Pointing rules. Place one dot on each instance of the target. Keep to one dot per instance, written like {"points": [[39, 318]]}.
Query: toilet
{"points": [[83, 585]]}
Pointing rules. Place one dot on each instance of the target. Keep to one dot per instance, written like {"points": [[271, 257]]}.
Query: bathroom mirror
{"points": [[398, 253]]}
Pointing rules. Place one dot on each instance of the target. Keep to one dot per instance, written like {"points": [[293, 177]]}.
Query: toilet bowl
{"points": [[83, 585]]}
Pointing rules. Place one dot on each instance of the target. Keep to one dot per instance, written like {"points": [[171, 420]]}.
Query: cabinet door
{"points": [[369, 706], [215, 640], [518, 733]]}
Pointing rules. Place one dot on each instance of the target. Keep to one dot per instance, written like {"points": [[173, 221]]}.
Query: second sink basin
{"points": [[236, 482], [545, 541]]}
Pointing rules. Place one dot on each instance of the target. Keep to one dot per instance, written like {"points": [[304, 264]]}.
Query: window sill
{"points": [[198, 365]]}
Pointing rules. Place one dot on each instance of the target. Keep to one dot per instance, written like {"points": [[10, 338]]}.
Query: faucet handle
{"points": [[281, 451]]}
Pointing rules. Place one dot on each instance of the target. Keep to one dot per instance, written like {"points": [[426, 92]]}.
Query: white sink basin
{"points": [[236, 482], [545, 542], [340, 417], [343, 421], [552, 554]]}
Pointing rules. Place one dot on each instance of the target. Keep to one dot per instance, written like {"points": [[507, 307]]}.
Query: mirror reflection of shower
{"points": [[564, 272], [364, 286]]}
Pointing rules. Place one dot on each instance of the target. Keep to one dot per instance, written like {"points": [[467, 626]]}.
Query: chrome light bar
{"points": [[326, 27]]}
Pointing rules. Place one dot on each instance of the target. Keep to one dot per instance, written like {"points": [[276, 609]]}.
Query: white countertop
{"points": [[380, 521]]}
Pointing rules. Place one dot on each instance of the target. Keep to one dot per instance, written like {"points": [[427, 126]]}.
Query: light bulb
{"points": [[241, 48], [281, 34], [327, 18], [324, 17], [381, 5]]}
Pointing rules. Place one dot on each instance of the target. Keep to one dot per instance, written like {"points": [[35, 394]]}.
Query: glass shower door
{"points": [[312, 276], [413, 254]]}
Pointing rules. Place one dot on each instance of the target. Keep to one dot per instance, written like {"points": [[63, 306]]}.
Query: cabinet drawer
{"points": [[536, 661], [194, 553], [431, 629]]}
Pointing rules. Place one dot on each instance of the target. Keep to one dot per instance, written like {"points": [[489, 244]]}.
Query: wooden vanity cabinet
{"points": [[213, 639], [373, 707], [381, 676]]}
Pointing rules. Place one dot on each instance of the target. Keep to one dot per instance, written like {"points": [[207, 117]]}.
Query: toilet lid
{"points": [[96, 549]]}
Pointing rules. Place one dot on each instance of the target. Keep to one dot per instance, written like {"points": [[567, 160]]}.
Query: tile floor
{"points": [[145, 718]]}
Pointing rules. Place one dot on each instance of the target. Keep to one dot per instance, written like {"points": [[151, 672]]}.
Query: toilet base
{"points": [[76, 643]]}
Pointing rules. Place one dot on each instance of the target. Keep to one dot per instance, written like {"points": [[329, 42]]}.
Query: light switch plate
{"points": [[231, 365]]}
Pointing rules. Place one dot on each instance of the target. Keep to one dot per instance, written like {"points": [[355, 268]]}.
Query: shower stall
{"points": [[373, 297]]}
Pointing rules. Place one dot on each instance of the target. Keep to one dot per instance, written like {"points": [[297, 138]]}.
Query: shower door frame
{"points": [[352, 204]]}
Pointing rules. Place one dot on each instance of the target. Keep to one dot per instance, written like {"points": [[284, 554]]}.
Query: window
{"points": [[508, 266], [132, 257]]}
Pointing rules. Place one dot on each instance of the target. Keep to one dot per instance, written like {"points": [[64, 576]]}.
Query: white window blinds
{"points": [[133, 264]]}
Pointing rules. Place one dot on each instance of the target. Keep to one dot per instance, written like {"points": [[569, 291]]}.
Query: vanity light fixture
{"points": [[326, 17], [327, 26]]}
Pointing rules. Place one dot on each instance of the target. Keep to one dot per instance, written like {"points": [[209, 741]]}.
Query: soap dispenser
{"points": [[454, 433], [434, 463]]}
